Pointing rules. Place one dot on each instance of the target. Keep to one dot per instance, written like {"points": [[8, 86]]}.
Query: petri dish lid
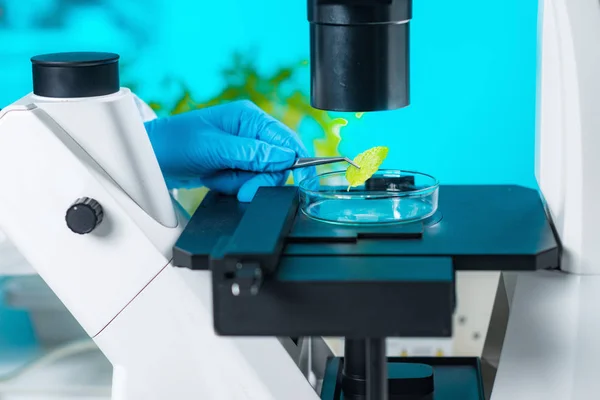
{"points": [[388, 197]]}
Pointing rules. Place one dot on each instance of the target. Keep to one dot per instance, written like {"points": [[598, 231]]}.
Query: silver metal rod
{"points": [[312, 161]]}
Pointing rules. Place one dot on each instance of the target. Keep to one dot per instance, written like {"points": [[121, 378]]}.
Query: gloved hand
{"points": [[233, 148]]}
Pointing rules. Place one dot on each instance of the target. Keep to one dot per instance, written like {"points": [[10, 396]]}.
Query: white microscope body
{"points": [[552, 345], [154, 322]]}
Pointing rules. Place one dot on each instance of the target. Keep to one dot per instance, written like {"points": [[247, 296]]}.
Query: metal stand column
{"points": [[377, 375]]}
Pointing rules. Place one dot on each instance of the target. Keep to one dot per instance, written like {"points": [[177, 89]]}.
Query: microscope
{"points": [[206, 307]]}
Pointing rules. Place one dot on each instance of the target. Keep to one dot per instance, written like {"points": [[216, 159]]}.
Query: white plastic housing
{"points": [[153, 322], [94, 275], [104, 128], [163, 346], [568, 132], [12, 263]]}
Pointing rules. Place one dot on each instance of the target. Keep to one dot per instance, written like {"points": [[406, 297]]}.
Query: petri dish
{"points": [[388, 197]]}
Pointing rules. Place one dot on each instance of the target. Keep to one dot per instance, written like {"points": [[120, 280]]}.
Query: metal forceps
{"points": [[311, 161]]}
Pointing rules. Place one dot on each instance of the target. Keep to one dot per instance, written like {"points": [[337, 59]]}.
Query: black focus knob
{"points": [[84, 215]]}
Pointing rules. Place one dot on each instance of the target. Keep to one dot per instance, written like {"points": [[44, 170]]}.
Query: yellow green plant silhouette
{"points": [[244, 81]]}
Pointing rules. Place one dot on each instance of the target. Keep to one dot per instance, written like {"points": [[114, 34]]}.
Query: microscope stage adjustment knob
{"points": [[84, 215]]}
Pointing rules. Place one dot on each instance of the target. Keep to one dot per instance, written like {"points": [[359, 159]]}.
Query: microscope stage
{"points": [[482, 227], [277, 272]]}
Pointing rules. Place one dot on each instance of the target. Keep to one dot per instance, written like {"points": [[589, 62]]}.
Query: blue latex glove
{"points": [[233, 148]]}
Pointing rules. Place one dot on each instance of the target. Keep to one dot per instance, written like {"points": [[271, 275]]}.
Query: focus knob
{"points": [[84, 215]]}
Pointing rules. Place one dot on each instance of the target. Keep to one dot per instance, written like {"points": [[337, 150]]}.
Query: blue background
{"points": [[473, 69], [473, 64]]}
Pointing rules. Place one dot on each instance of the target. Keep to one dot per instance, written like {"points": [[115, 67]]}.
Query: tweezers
{"points": [[311, 161]]}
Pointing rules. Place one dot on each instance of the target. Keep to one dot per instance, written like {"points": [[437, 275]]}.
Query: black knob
{"points": [[84, 215], [75, 75]]}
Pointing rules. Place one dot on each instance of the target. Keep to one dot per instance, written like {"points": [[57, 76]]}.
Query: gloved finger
{"points": [[249, 189], [254, 122], [227, 182], [304, 173], [219, 152], [246, 119]]}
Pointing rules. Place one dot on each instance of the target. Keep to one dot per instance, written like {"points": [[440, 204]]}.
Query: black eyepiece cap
{"points": [[75, 75]]}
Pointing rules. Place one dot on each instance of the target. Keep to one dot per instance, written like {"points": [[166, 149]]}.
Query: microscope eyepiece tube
{"points": [[359, 54]]}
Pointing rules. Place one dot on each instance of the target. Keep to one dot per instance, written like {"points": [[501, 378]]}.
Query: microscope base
{"points": [[455, 378]]}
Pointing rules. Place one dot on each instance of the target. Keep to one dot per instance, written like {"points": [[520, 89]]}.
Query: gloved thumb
{"points": [[249, 189]]}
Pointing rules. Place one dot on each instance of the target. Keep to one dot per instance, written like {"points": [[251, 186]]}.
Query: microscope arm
{"points": [[48, 171], [152, 321], [12, 262]]}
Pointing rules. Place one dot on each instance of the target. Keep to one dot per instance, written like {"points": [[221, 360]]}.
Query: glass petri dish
{"points": [[388, 197]]}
